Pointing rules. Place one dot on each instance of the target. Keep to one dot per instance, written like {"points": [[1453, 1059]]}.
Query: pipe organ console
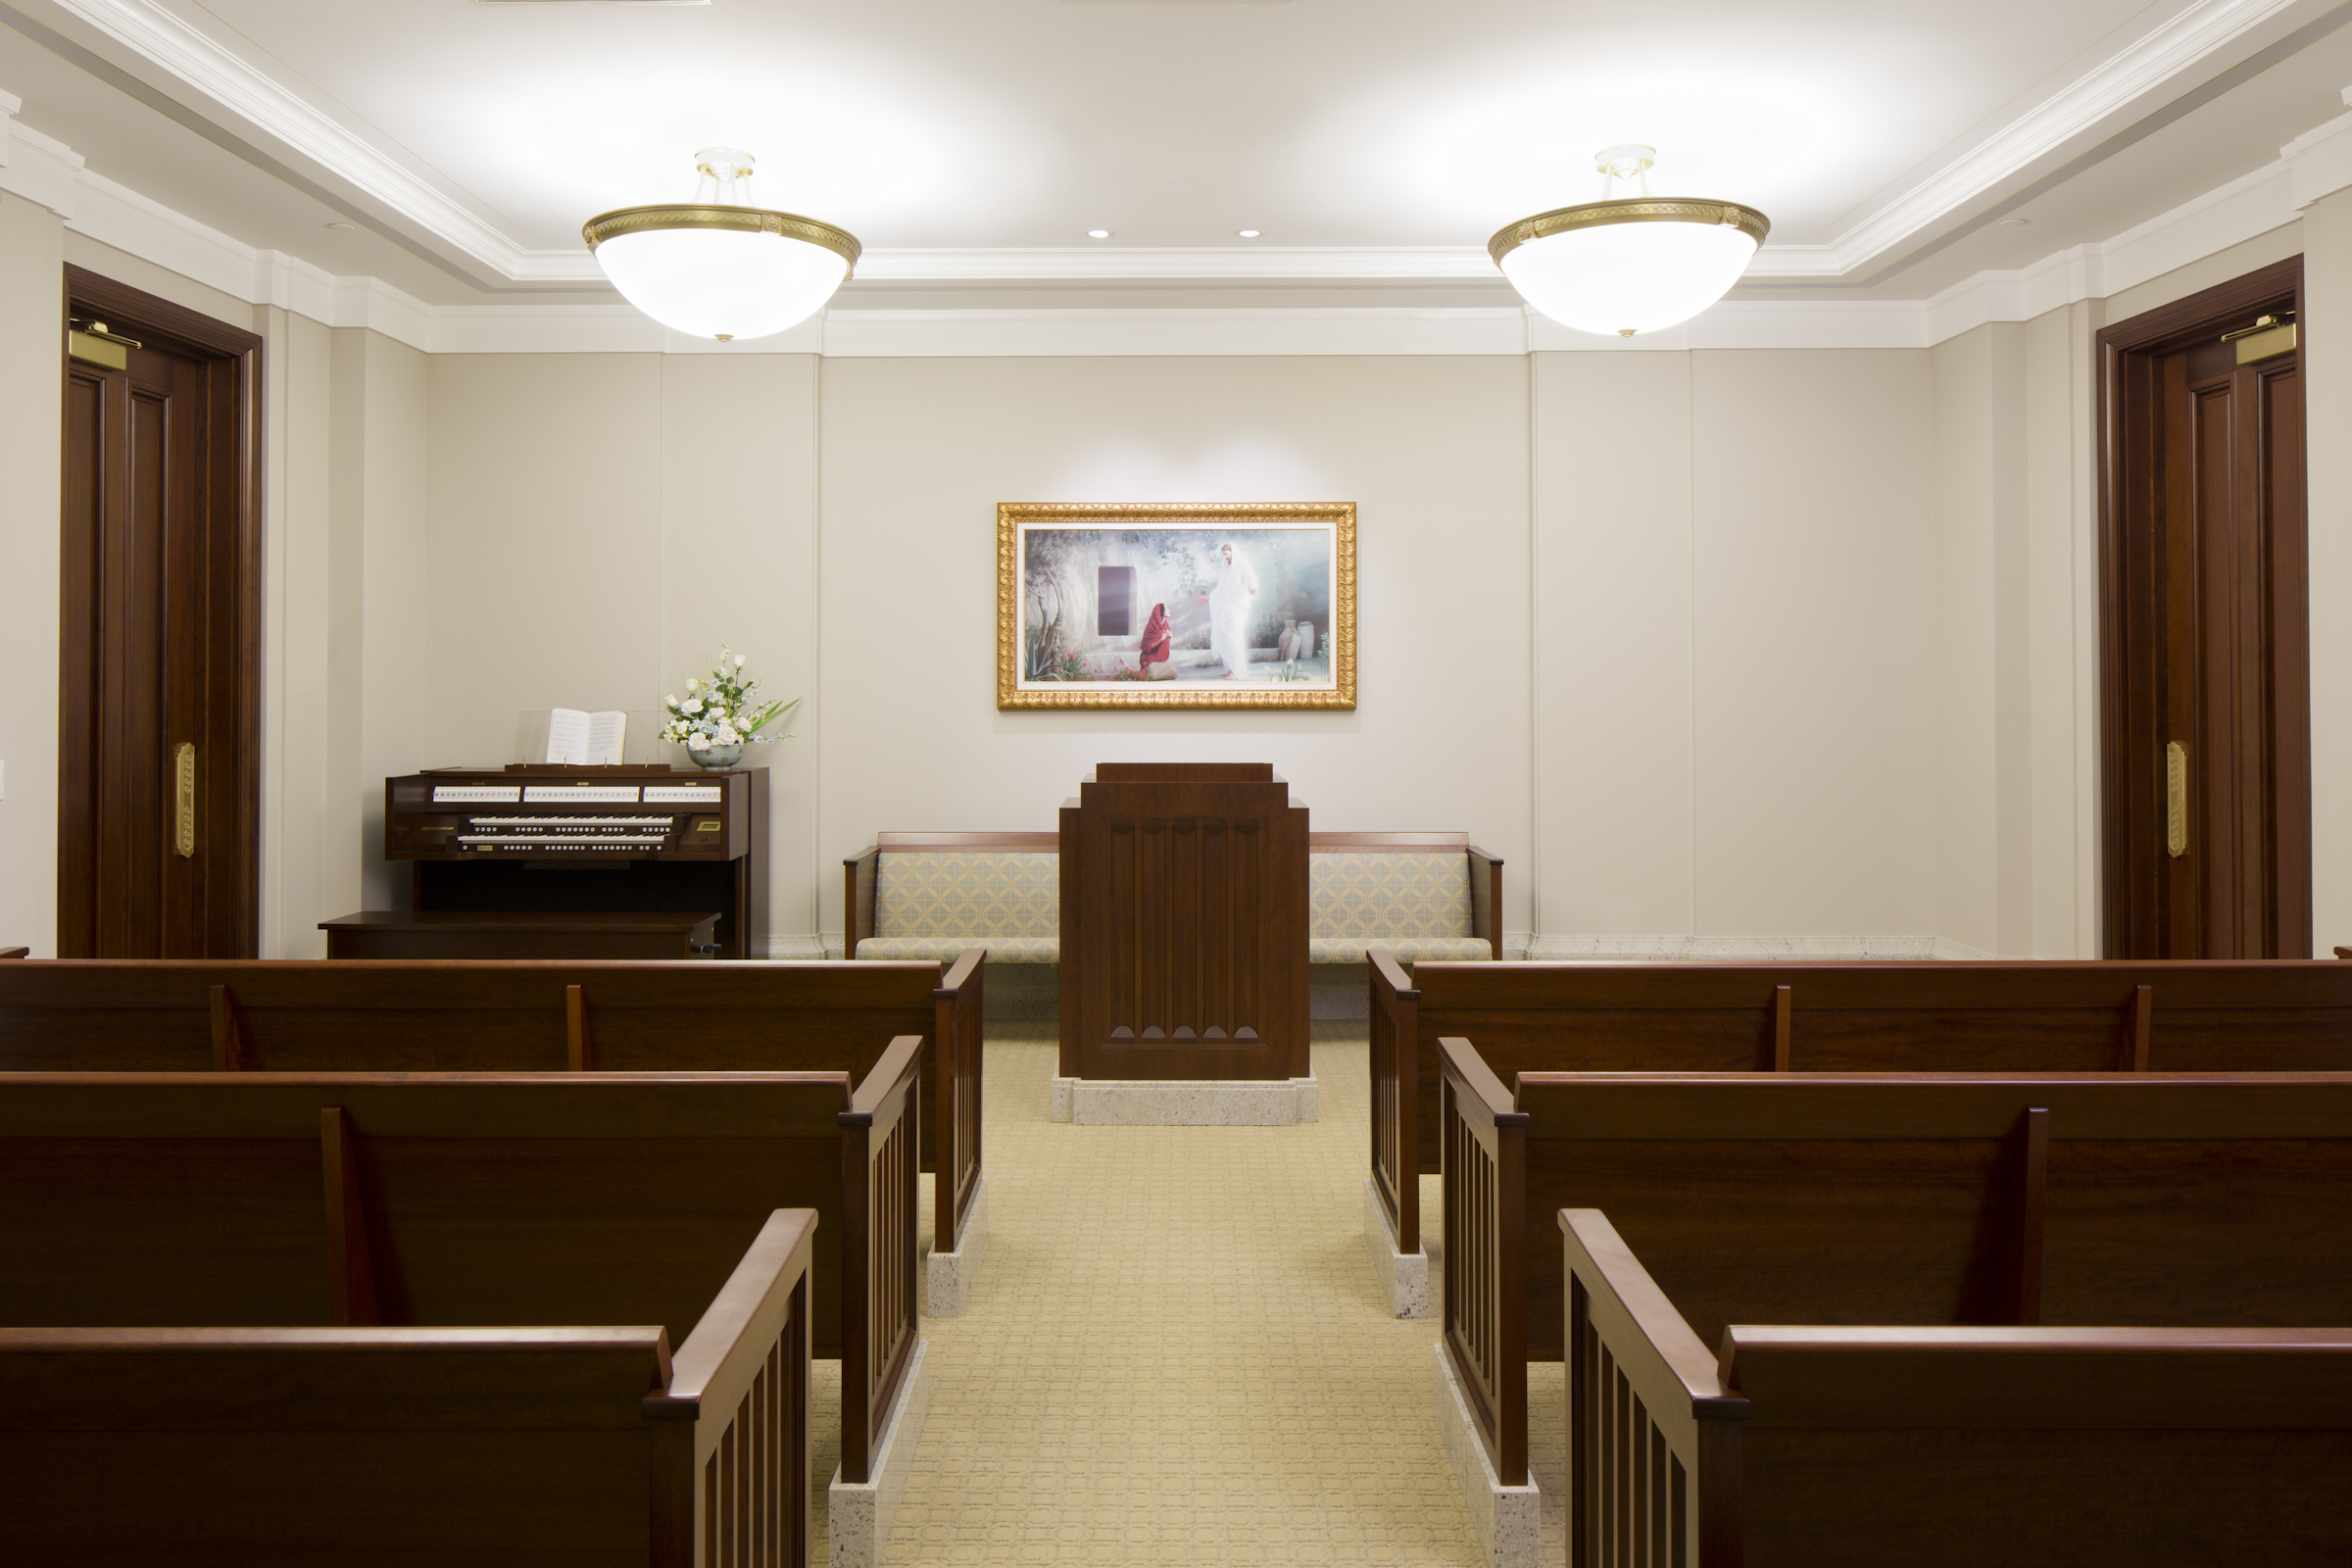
{"points": [[615, 840]]}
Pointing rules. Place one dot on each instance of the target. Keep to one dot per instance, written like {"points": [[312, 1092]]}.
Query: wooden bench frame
{"points": [[1898, 1016], [1491, 1261], [725, 1424], [878, 1310], [1657, 1424], [554, 1004]]}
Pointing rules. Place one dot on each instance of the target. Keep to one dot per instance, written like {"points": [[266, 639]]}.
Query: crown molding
{"points": [[246, 89]]}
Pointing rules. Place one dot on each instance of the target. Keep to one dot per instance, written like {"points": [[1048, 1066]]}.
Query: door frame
{"points": [[2140, 339], [155, 319]]}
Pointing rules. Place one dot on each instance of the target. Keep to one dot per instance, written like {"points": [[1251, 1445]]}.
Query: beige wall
{"points": [[917, 453], [2328, 412], [31, 256], [1707, 644]]}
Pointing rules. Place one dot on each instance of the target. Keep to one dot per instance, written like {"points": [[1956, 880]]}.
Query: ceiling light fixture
{"points": [[1631, 265], [719, 268], [1097, 233], [1246, 233]]}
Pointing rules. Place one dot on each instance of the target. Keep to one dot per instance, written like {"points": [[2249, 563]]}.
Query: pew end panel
{"points": [[1653, 1432], [857, 898], [738, 1391], [953, 1083], [1486, 1298], [1395, 1098], [879, 1290]]}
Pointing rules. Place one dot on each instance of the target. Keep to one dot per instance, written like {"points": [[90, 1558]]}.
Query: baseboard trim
{"points": [[948, 1276], [858, 1516], [1404, 1276], [1743, 950], [1509, 1519]]}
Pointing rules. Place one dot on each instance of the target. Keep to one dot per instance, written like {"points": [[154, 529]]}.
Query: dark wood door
{"points": [[2206, 629], [157, 841]]}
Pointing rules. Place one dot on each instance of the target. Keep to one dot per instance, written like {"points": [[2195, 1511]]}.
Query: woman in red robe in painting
{"points": [[1156, 637]]}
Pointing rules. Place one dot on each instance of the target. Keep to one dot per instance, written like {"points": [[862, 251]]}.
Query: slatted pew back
{"points": [[131, 1015], [2038, 1016]]}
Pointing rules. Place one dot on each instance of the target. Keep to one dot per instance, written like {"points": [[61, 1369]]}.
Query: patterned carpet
{"points": [[1176, 1352]]}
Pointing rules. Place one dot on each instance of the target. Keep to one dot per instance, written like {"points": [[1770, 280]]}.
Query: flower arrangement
{"points": [[723, 712]]}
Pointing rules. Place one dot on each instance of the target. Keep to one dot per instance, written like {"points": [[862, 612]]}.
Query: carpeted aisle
{"points": [[1176, 1352]]}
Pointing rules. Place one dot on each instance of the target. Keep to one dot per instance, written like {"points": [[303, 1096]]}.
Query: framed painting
{"points": [[1210, 605]]}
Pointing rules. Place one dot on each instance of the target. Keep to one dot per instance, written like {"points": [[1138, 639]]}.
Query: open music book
{"points": [[587, 740]]}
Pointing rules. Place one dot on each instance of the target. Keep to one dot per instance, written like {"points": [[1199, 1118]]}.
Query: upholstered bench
{"points": [[933, 895], [1420, 895]]}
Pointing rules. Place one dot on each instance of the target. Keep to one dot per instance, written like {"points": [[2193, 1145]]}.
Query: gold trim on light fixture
{"points": [[742, 219], [1634, 210]]}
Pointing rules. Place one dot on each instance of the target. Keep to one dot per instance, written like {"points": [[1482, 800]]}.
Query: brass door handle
{"points": [[185, 766], [2175, 799]]}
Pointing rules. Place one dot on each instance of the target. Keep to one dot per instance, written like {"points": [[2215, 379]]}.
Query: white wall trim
{"points": [[34, 167]]}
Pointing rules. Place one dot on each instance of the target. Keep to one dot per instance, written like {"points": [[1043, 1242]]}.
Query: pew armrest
{"points": [[16, 952], [1485, 898], [857, 898]]}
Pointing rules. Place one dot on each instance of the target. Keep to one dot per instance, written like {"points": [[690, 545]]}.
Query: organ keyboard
{"points": [[502, 838]]}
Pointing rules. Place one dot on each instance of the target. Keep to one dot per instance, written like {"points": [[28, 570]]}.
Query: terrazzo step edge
{"points": [[1404, 1276], [1509, 1520], [948, 1276], [857, 1514]]}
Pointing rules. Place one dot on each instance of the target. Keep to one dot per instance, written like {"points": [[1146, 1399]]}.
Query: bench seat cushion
{"points": [[1001, 950], [1417, 906], [1407, 950], [949, 893]]}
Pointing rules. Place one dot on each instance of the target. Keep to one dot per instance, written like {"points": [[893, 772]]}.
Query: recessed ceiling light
{"points": [[1246, 233], [2015, 222], [1097, 233], [343, 226]]}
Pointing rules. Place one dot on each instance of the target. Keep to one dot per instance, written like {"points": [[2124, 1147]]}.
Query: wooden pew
{"points": [[2254, 1016], [2172, 1200], [16, 952], [281, 1199], [351, 1015], [1943, 1446], [364, 1446]]}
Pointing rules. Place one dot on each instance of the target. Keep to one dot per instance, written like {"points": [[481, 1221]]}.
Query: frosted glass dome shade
{"points": [[722, 272], [1618, 268]]}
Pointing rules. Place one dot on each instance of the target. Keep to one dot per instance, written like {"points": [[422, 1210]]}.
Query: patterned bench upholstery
{"points": [[1422, 896], [926, 894], [1417, 906]]}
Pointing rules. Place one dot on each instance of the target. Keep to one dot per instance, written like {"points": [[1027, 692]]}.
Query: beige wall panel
{"points": [[32, 276], [2062, 634], [543, 523], [1814, 668], [916, 455], [2328, 298], [383, 403], [1612, 644], [306, 839], [739, 566], [1967, 861]]}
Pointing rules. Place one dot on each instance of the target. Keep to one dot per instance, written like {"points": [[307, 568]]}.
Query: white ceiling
{"points": [[977, 140]]}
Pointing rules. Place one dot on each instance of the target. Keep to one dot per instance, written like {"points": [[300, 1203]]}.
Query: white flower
{"points": [[694, 705], [690, 683], [727, 737], [695, 742], [670, 702], [738, 660]]}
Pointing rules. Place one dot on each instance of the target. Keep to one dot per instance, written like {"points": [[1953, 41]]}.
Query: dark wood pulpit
{"points": [[1184, 924]]}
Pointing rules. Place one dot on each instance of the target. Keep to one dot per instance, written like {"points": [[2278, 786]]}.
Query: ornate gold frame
{"points": [[1011, 515]]}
